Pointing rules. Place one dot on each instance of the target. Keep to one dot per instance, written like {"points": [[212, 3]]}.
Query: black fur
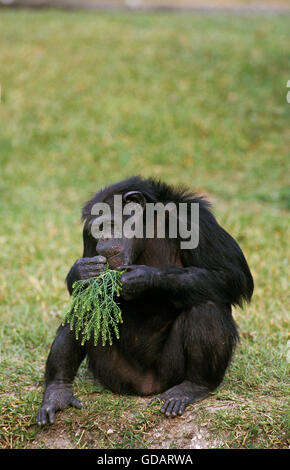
{"points": [[178, 334]]}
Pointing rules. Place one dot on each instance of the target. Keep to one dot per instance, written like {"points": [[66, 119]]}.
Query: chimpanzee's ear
{"points": [[135, 196]]}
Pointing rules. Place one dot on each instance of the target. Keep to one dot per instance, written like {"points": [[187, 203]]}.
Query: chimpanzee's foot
{"points": [[56, 397], [178, 397]]}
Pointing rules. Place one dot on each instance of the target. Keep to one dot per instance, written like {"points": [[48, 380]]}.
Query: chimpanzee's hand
{"points": [[90, 267], [136, 280], [56, 397]]}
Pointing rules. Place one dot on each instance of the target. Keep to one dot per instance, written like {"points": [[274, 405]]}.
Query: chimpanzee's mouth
{"points": [[117, 260]]}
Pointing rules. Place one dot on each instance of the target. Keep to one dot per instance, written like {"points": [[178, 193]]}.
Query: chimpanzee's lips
{"points": [[116, 261]]}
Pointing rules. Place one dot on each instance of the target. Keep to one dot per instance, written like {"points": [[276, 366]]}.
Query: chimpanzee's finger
{"points": [[170, 407], [76, 403], [181, 409], [99, 259], [165, 406], [51, 414], [45, 415], [128, 267], [99, 267], [41, 417], [91, 270], [176, 408]]}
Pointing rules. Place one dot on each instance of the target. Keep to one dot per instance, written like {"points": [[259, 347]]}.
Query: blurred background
{"points": [[254, 5], [195, 97]]}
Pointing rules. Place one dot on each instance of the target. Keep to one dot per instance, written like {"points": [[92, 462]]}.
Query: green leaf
{"points": [[93, 311]]}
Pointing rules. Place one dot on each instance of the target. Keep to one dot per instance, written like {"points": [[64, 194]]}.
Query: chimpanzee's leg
{"points": [[197, 353], [64, 359]]}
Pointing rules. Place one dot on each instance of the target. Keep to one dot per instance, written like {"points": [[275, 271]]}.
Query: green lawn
{"points": [[199, 3], [88, 99]]}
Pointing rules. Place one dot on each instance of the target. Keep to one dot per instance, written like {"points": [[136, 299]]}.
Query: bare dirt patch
{"points": [[182, 433], [189, 431], [186, 431], [53, 438]]}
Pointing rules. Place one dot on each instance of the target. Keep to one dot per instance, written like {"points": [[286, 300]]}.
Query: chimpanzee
{"points": [[178, 333]]}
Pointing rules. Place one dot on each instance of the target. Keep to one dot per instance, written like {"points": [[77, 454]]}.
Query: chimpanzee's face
{"points": [[115, 243]]}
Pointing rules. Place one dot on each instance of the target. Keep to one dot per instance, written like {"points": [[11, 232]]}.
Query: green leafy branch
{"points": [[93, 310]]}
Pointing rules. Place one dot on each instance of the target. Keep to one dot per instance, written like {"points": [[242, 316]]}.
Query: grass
{"points": [[212, 3], [88, 99]]}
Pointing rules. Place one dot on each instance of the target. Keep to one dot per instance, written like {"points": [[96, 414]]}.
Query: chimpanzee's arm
{"points": [[215, 271], [197, 285], [64, 359], [188, 286]]}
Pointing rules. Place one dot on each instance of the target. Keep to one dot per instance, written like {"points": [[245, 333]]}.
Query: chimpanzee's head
{"points": [[119, 218], [106, 215]]}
